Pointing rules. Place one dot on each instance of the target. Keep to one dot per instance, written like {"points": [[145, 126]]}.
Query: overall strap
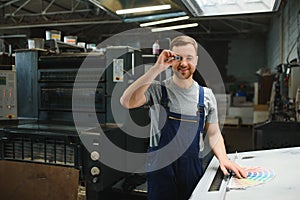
{"points": [[201, 110], [164, 97]]}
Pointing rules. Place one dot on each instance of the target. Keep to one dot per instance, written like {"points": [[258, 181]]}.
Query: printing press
{"points": [[45, 137]]}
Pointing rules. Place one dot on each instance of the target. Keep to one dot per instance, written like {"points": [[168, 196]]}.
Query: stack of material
{"points": [[27, 181]]}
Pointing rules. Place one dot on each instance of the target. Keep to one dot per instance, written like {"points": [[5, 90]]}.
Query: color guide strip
{"points": [[255, 176]]}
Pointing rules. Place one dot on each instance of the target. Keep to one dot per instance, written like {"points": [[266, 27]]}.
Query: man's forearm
{"points": [[134, 95], [218, 147], [216, 141]]}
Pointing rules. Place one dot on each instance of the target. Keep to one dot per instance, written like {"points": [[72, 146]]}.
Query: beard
{"points": [[186, 74]]}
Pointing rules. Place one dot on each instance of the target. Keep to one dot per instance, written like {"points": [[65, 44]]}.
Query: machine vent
{"points": [[51, 151]]}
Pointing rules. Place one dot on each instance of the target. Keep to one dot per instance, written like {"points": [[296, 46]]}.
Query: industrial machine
{"points": [[46, 133], [285, 92], [282, 130], [284, 185], [276, 134]]}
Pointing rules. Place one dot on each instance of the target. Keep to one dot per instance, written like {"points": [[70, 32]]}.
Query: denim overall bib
{"points": [[177, 180]]}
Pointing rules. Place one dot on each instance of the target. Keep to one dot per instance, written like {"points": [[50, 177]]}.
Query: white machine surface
{"points": [[285, 185]]}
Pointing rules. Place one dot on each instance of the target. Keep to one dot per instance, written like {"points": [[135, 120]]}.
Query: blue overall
{"points": [[177, 180]]}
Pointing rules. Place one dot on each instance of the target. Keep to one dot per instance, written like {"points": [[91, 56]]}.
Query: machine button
{"points": [[95, 155], [95, 171]]}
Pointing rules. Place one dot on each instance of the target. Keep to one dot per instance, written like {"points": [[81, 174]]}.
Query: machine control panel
{"points": [[8, 94]]}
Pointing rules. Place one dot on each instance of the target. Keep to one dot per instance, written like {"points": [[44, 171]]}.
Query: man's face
{"points": [[185, 68]]}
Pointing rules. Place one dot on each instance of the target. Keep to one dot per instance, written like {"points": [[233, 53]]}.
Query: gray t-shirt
{"points": [[182, 101]]}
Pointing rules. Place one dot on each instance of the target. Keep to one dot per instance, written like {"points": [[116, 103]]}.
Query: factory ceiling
{"points": [[96, 19]]}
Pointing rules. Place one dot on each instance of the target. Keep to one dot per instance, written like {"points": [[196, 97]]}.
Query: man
{"points": [[190, 110]]}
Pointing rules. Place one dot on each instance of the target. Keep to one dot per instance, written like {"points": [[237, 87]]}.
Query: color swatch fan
{"points": [[255, 176]]}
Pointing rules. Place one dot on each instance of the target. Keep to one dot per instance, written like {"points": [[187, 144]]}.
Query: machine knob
{"points": [[95, 155], [95, 180], [95, 171]]}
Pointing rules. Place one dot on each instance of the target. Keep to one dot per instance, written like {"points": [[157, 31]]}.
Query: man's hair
{"points": [[182, 41]]}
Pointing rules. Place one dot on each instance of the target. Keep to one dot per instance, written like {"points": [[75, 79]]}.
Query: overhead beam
{"points": [[56, 4], [8, 3], [20, 7], [60, 24], [230, 25], [50, 13], [249, 22], [49, 5]]}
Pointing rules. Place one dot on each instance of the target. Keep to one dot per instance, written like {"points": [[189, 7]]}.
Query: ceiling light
{"points": [[164, 21], [143, 9], [154, 17], [174, 27]]}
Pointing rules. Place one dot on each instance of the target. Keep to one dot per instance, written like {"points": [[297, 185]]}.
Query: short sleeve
{"points": [[153, 94], [212, 108]]}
